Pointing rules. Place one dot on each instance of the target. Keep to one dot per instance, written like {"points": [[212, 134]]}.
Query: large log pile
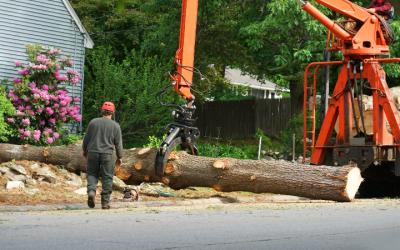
{"points": [[222, 174]]}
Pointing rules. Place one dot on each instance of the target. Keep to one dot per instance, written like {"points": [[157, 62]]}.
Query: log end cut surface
{"points": [[354, 180]]}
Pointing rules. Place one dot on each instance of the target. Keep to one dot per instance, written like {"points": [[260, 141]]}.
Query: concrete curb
{"points": [[137, 204]]}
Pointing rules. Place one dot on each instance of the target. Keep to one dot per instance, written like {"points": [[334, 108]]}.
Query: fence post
{"points": [[294, 146]]}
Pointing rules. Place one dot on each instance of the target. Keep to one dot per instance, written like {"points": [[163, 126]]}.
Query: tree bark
{"points": [[296, 97], [222, 174]]}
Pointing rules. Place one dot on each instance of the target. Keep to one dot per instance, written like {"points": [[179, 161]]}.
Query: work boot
{"points": [[91, 198], [105, 205]]}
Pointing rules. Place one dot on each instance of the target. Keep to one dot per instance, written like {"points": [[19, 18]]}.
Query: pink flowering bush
{"points": [[42, 107]]}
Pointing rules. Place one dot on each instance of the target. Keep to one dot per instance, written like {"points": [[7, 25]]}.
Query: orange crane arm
{"points": [[343, 7], [184, 58], [346, 8]]}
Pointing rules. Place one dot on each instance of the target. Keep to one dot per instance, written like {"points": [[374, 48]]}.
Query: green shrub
{"points": [[227, 150], [154, 142], [265, 140], [42, 104], [6, 108]]}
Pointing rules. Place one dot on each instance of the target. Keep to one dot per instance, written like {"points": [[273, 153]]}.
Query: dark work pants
{"points": [[107, 163]]}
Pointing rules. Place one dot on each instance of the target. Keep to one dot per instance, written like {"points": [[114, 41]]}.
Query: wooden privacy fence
{"points": [[240, 119]]}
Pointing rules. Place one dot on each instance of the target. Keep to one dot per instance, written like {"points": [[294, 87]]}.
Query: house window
{"points": [[272, 95], [258, 93]]}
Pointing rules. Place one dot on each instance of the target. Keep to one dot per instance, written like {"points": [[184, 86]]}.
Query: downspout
{"points": [[82, 81]]}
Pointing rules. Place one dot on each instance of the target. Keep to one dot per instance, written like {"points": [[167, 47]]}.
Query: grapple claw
{"points": [[182, 135]]}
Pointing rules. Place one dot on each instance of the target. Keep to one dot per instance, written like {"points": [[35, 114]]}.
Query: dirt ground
{"points": [[63, 193]]}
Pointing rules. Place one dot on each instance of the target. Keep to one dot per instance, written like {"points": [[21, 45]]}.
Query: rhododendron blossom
{"points": [[78, 118], [50, 140], [56, 135], [35, 90], [27, 133], [25, 121], [17, 81]]}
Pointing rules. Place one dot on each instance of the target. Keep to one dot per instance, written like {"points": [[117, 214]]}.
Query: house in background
{"points": [[52, 23], [260, 90]]}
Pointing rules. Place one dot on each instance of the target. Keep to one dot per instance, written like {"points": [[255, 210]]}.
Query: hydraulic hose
{"points": [[301, 2], [361, 89], [348, 88], [358, 101]]}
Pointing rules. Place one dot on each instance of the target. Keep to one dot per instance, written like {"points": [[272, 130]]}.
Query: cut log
{"points": [[184, 170]]}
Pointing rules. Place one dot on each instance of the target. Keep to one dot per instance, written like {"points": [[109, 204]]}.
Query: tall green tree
{"points": [[132, 86]]}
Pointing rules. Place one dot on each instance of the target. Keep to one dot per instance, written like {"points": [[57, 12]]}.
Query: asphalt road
{"points": [[257, 226]]}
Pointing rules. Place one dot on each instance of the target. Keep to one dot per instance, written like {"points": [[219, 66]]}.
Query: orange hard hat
{"points": [[108, 106]]}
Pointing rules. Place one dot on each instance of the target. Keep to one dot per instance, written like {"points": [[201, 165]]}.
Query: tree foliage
{"points": [[269, 39], [132, 86]]}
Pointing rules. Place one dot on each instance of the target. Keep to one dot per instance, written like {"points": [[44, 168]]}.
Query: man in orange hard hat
{"points": [[101, 137]]}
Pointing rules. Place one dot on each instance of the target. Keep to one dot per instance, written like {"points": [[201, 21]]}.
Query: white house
{"points": [[261, 90], [49, 23]]}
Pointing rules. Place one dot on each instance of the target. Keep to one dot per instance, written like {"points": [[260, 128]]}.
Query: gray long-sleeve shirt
{"points": [[101, 136]]}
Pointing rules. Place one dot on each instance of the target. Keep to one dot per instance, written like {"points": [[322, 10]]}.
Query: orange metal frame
{"points": [[313, 89], [365, 45], [339, 106]]}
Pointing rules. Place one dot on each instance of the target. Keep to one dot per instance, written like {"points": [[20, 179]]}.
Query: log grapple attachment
{"points": [[182, 133]]}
